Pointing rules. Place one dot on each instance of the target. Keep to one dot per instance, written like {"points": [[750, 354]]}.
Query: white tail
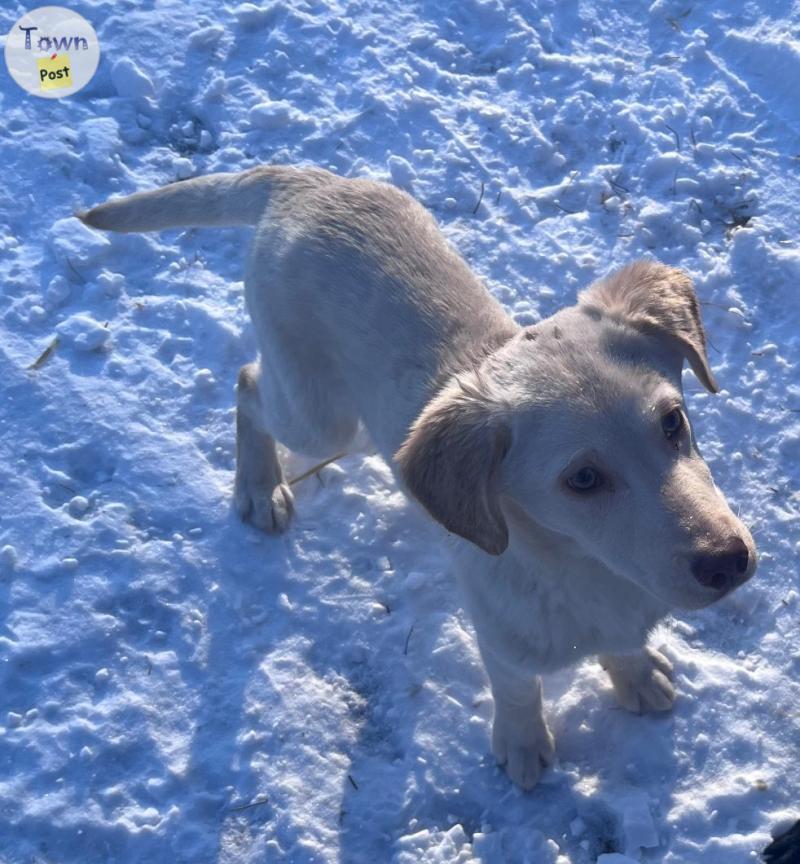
{"points": [[216, 199]]}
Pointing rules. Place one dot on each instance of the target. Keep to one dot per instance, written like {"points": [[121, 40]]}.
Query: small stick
{"points": [[405, 649], [45, 355], [352, 782], [480, 198], [317, 467]]}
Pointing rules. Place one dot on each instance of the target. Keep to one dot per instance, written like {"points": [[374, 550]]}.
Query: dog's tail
{"points": [[216, 199]]}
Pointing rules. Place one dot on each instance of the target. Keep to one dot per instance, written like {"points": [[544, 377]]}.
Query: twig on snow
{"points": [[45, 355], [318, 467], [480, 198], [408, 637]]}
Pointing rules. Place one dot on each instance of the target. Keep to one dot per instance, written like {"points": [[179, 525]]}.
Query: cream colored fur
{"points": [[364, 314]]}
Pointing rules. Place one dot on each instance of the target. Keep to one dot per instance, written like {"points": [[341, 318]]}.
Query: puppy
{"points": [[558, 459]]}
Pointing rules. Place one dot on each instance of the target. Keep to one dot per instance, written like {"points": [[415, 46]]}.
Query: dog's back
{"points": [[351, 279]]}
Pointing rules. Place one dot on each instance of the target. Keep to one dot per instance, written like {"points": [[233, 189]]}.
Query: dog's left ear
{"points": [[449, 463], [658, 299]]}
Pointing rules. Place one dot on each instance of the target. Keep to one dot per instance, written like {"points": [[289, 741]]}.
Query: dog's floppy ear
{"points": [[449, 463], [657, 299]]}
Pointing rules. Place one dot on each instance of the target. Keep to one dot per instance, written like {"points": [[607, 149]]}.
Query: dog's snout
{"points": [[723, 569]]}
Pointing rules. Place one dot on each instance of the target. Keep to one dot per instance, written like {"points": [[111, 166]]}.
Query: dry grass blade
{"points": [[45, 355], [408, 639], [318, 467], [480, 198], [76, 272]]}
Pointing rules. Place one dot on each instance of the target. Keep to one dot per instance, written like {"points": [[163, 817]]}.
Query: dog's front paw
{"points": [[523, 744], [642, 682], [269, 510]]}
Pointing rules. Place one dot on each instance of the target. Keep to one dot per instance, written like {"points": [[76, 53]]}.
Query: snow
{"points": [[615, 858], [274, 115], [72, 241], [177, 687], [129, 80], [83, 333], [637, 822]]}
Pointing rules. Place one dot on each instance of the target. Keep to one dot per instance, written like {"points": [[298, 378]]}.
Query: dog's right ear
{"points": [[449, 463], [660, 301]]}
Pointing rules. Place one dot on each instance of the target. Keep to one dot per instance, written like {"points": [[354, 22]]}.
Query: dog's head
{"points": [[578, 427]]}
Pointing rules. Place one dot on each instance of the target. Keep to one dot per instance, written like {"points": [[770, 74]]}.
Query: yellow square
{"points": [[54, 72]]}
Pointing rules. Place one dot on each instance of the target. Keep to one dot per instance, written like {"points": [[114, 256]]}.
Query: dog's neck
{"points": [[466, 350]]}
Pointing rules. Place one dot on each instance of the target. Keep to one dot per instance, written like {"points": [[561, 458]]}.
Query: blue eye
{"points": [[672, 423], [587, 479]]}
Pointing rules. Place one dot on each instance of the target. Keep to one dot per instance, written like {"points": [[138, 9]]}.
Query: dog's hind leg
{"points": [[261, 494]]}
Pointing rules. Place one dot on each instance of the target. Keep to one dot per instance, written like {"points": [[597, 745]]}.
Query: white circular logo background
{"points": [[52, 52]]}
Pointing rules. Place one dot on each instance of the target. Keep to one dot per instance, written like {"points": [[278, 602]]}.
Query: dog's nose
{"points": [[724, 569]]}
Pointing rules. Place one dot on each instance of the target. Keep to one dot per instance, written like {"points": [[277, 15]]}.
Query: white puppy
{"points": [[558, 458]]}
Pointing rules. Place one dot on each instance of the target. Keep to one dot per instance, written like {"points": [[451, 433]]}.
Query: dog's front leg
{"points": [[521, 740], [642, 681]]}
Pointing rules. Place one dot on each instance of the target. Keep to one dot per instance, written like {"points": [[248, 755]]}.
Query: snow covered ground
{"points": [[177, 687]]}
